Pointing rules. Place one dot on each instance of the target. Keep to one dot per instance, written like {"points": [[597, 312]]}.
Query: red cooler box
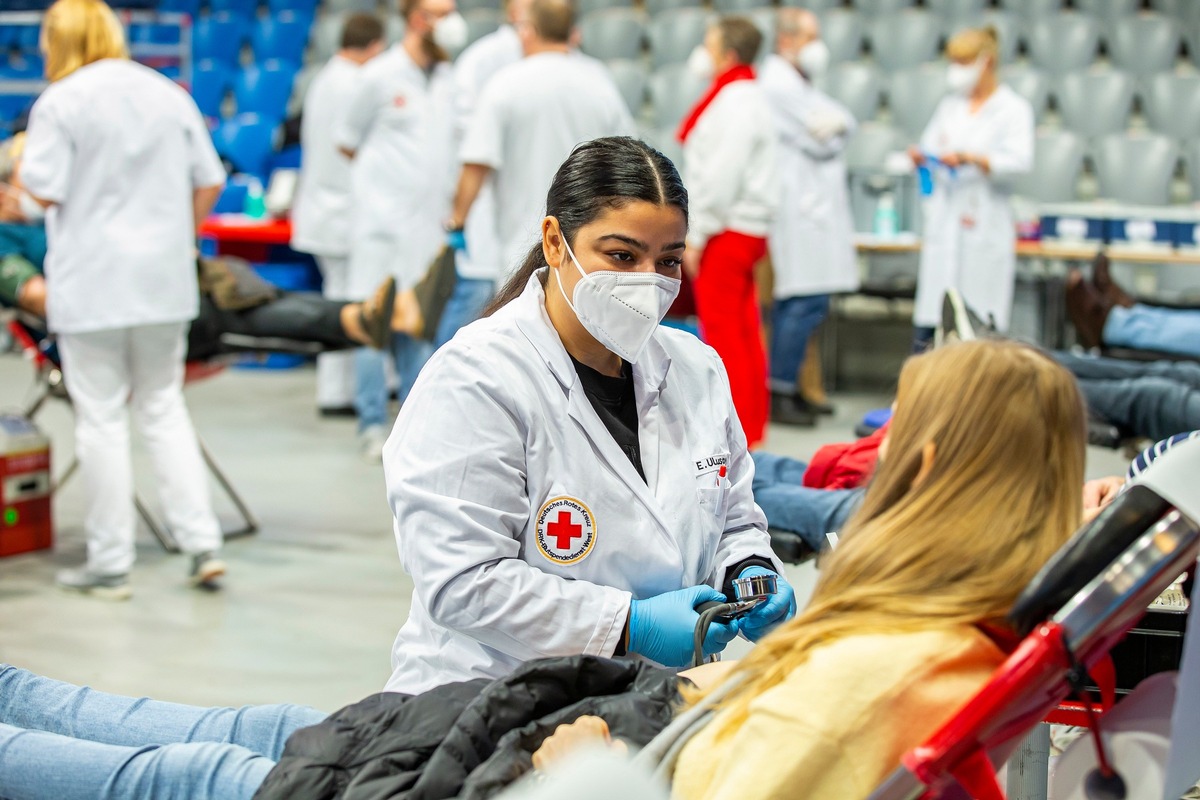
{"points": [[24, 487]]}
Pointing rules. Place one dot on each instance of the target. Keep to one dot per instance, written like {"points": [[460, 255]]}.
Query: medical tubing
{"points": [[706, 619]]}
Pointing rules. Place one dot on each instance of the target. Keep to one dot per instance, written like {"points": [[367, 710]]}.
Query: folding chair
{"points": [[41, 351], [1072, 614]]}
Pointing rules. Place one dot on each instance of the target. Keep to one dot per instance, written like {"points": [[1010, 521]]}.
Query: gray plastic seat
{"points": [[913, 94], [1187, 11], [393, 29], [1136, 169], [465, 6], [874, 8], [663, 140], [765, 19], [812, 5], [1145, 44], [1008, 29], [870, 146], [631, 78], [842, 32], [905, 39], [1095, 103], [481, 22], [325, 38], [736, 6], [1063, 43], [585, 7], [674, 34], [957, 8], [613, 34], [1191, 160], [674, 89], [338, 6], [858, 85], [1031, 9], [1172, 104], [1109, 12], [1057, 164], [656, 7], [1032, 84]]}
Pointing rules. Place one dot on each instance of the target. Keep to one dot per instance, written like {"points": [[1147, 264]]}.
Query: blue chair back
{"points": [[211, 81], [180, 6], [308, 7], [281, 36], [219, 37], [264, 89], [246, 141], [246, 8]]}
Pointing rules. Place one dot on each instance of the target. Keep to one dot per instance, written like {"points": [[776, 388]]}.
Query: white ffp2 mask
{"points": [[963, 78], [620, 309], [450, 32], [700, 63], [813, 59]]}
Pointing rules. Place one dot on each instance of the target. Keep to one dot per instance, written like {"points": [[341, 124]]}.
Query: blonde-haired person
{"points": [[119, 161], [982, 132], [979, 486]]}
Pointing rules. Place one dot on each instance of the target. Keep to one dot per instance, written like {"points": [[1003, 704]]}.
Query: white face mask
{"points": [[450, 32], [620, 309], [700, 63], [813, 59], [963, 78]]}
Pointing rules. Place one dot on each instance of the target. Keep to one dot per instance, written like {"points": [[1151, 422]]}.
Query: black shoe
{"points": [[821, 409], [788, 409], [337, 411]]}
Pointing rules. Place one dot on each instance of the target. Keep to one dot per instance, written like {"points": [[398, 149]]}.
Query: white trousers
{"points": [[335, 371], [142, 367]]}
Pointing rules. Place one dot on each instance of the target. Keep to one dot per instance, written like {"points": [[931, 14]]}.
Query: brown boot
{"points": [[1102, 280], [1088, 309], [375, 314], [434, 290], [811, 385]]}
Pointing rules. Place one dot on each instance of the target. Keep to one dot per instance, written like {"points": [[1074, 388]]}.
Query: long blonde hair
{"points": [[971, 43], [76, 33], [955, 544]]}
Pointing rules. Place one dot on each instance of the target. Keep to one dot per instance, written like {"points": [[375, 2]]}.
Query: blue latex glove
{"points": [[765, 617], [662, 628], [457, 240]]}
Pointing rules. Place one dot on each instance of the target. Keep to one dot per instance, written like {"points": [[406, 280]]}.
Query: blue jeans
{"points": [[465, 305], [1167, 330], [64, 742], [1156, 399], [793, 321], [370, 391], [791, 506]]}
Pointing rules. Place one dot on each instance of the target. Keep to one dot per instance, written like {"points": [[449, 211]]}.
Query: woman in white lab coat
{"points": [[122, 162], [982, 133], [567, 476]]}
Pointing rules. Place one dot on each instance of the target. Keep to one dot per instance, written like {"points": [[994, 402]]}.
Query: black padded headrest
{"points": [[1086, 555]]}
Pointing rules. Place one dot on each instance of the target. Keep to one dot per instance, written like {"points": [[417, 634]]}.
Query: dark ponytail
{"points": [[600, 174]]}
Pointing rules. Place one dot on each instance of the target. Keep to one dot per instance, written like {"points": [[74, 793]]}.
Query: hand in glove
{"points": [[662, 628], [766, 616]]}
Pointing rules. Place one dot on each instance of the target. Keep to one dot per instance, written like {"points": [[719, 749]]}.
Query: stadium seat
{"points": [[1095, 103], [1187, 11], [1171, 104], [674, 89], [616, 33], [1031, 9], [656, 7], [674, 34], [300, 86], [812, 5], [913, 94], [1057, 164], [1063, 43], [870, 146], [1145, 44], [25, 67], [246, 141], [191, 7], [585, 7], [874, 8], [244, 8], [1191, 158], [736, 6], [1030, 83], [858, 85], [481, 22], [264, 88], [957, 8], [842, 32], [211, 81], [664, 141], [219, 37], [631, 78], [326, 36], [904, 39], [12, 106], [281, 36], [1109, 13], [393, 28], [305, 7], [340, 6], [26, 38], [765, 19], [1136, 168], [479, 5]]}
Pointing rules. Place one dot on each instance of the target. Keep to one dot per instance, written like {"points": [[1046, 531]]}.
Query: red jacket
{"points": [[845, 466]]}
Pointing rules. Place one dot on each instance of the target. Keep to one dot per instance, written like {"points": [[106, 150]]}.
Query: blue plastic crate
{"points": [[271, 361]]}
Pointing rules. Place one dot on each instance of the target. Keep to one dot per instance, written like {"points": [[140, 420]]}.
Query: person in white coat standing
{"points": [[121, 160], [732, 175], [399, 131], [528, 118], [567, 476], [812, 238], [321, 215], [982, 133]]}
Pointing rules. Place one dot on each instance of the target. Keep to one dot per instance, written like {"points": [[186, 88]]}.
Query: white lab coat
{"points": [[477, 65], [120, 150], [730, 166], [496, 430], [321, 214], [812, 237], [970, 232], [401, 125], [528, 119]]}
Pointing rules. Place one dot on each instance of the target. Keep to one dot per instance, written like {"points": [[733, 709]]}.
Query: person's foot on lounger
{"points": [[376, 314], [1088, 309], [1102, 280], [104, 587]]}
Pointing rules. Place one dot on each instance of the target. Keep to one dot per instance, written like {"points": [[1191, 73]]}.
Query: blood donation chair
{"points": [[1071, 615], [40, 349]]}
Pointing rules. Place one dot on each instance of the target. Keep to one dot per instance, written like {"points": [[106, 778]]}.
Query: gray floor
{"points": [[311, 604]]}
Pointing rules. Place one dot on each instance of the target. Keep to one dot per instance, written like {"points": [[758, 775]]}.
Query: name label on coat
{"points": [[566, 530], [711, 463]]}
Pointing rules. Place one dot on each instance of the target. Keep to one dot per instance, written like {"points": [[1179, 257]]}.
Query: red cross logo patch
{"points": [[566, 530]]}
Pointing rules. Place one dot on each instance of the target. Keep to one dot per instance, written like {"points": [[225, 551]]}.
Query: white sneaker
{"points": [[370, 444]]}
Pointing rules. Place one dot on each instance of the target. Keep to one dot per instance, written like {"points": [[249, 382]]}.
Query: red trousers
{"points": [[727, 304]]}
